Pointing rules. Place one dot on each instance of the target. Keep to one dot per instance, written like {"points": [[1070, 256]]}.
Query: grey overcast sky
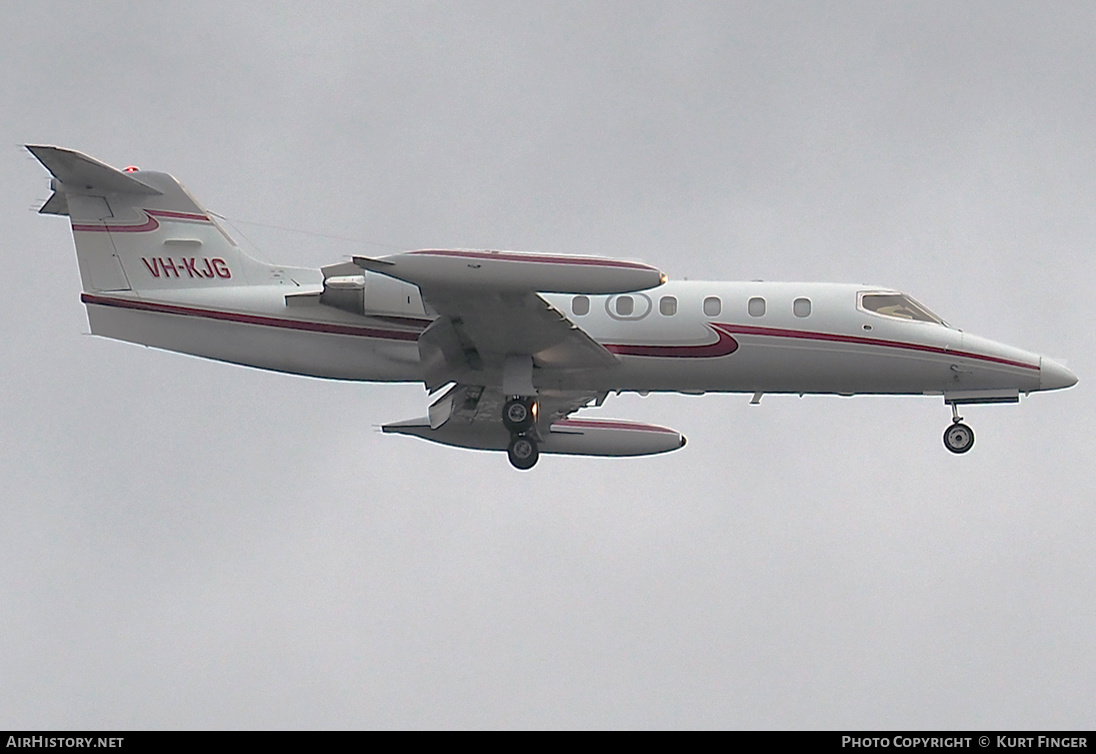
{"points": [[186, 544]]}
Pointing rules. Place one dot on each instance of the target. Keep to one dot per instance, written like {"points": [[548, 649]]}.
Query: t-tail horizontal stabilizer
{"points": [[78, 173]]}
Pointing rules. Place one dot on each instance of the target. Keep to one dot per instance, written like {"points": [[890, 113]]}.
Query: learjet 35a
{"points": [[521, 341]]}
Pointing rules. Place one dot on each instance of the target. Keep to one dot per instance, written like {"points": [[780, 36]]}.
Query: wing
{"points": [[478, 335], [493, 328], [497, 338]]}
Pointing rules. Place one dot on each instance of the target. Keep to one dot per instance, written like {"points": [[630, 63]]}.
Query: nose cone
{"points": [[1054, 376]]}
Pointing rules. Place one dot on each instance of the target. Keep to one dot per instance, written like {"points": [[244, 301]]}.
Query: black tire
{"points": [[523, 452], [959, 438], [517, 415]]}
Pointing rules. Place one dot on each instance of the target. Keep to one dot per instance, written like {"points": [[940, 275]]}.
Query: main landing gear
{"points": [[519, 416], [523, 452], [958, 438]]}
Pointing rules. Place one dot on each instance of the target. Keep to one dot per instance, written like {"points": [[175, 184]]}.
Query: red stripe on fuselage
{"points": [[723, 346], [776, 332], [418, 322], [726, 345], [330, 328]]}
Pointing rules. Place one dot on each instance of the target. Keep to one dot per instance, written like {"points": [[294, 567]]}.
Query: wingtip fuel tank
{"points": [[576, 436], [516, 271]]}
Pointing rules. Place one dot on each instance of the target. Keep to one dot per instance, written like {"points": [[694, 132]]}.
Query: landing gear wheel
{"points": [[523, 452], [517, 415], [959, 438]]}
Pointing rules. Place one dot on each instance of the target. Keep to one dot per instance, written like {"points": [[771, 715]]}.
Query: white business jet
{"points": [[521, 340]]}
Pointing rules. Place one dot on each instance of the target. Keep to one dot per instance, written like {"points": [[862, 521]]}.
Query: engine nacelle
{"points": [[370, 293]]}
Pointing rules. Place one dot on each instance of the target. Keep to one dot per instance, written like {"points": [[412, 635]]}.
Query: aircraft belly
{"points": [[315, 354]]}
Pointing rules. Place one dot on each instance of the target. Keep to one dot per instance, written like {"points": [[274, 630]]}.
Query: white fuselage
{"points": [[828, 345]]}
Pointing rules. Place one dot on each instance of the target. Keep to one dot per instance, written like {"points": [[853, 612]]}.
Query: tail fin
{"points": [[140, 230]]}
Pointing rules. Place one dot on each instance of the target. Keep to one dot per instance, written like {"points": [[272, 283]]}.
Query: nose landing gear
{"points": [[958, 438]]}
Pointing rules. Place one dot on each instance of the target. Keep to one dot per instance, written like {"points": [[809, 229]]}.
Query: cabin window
{"points": [[801, 307], [625, 306], [713, 306], [897, 305], [756, 306], [580, 305], [667, 306]]}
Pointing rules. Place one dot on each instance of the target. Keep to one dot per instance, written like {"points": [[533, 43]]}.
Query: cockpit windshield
{"points": [[897, 305]]}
